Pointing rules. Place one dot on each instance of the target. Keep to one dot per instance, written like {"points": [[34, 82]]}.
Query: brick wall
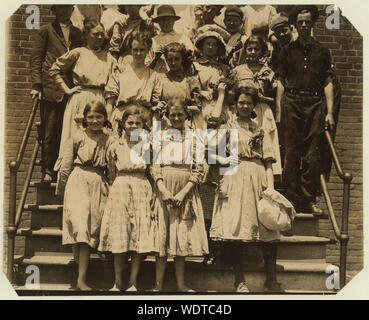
{"points": [[18, 106], [347, 53], [346, 46]]}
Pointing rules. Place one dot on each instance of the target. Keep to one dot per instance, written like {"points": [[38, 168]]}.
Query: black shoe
{"points": [[312, 207], [49, 177], [273, 287], [209, 260]]}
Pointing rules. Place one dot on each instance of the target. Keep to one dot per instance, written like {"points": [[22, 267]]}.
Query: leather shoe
{"points": [[313, 208], [273, 287]]}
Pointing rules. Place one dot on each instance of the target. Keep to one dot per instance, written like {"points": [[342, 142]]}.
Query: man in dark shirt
{"points": [[304, 76]]}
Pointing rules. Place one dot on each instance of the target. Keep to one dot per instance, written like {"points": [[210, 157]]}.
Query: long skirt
{"points": [[179, 231], [84, 202], [73, 116], [235, 215], [126, 225]]}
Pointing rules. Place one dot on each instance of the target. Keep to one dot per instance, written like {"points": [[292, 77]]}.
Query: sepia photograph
{"points": [[182, 149]]}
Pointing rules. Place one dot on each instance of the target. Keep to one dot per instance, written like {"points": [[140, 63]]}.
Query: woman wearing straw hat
{"points": [[210, 68], [166, 18], [211, 71]]}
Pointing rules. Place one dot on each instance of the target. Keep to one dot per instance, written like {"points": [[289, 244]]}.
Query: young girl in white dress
{"points": [[235, 216], [82, 176], [89, 68], [127, 220], [179, 218]]}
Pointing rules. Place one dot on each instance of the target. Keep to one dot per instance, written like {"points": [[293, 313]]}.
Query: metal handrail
{"points": [[328, 201], [341, 235], [14, 218], [22, 200]]}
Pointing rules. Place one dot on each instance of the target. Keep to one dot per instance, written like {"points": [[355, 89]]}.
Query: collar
{"points": [[65, 25], [205, 60], [264, 71], [312, 43], [236, 122], [56, 25]]}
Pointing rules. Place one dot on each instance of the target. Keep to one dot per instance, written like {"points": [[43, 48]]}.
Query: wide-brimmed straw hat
{"points": [[210, 30], [165, 11], [297, 9]]}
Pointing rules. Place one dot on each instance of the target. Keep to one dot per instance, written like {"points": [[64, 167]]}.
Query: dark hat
{"points": [[278, 20], [165, 11], [297, 9], [55, 6], [233, 11], [210, 30]]}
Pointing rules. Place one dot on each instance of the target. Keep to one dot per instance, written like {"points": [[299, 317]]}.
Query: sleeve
{"points": [[63, 64], [270, 133], [111, 159], [112, 86], [269, 83], [151, 54], [233, 75], [156, 172], [282, 69], [116, 38], [195, 88], [156, 90], [197, 173], [155, 168], [37, 57], [198, 168], [327, 67], [66, 165]]}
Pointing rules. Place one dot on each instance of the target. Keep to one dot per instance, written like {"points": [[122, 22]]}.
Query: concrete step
{"points": [[45, 215], [303, 276], [289, 247], [46, 193], [50, 216], [43, 239]]}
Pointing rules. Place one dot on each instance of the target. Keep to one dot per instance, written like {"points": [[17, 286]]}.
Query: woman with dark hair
{"points": [[235, 216], [242, 56], [179, 82], [89, 68], [179, 221], [250, 67], [126, 224], [134, 82], [83, 183]]}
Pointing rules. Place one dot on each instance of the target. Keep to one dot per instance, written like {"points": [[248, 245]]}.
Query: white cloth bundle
{"points": [[275, 211]]}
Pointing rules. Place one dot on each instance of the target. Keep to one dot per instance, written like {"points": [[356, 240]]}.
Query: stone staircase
{"points": [[301, 263]]}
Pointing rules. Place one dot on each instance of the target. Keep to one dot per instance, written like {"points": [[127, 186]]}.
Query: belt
{"points": [[85, 167], [305, 93], [92, 87]]}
